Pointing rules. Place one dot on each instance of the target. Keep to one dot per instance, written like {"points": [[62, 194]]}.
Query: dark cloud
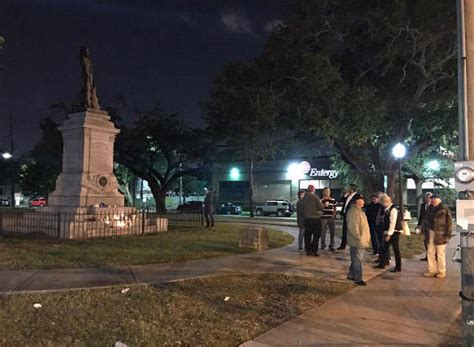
{"points": [[236, 23]]}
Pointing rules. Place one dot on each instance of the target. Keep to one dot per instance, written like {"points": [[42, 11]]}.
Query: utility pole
{"points": [[12, 149], [464, 180], [180, 186]]}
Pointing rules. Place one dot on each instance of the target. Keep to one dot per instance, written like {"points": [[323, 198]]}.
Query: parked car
{"points": [[191, 206], [228, 208], [280, 208], [4, 203], [39, 202]]}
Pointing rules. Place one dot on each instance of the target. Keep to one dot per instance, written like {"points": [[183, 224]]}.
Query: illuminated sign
{"points": [[306, 168], [314, 172]]}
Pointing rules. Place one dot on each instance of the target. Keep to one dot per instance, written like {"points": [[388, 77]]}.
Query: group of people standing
{"points": [[314, 216], [379, 227]]}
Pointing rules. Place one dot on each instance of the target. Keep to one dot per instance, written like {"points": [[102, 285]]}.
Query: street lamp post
{"points": [[399, 151], [7, 155]]}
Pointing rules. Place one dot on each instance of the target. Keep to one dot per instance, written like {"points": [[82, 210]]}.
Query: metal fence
{"points": [[83, 224]]}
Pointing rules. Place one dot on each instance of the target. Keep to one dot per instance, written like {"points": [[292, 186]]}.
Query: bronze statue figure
{"points": [[89, 91]]}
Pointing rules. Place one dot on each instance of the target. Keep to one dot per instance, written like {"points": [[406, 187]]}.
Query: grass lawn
{"points": [[412, 245], [175, 245], [192, 312]]}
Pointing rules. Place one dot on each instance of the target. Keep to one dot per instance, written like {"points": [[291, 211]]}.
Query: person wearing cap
{"points": [[312, 210], [392, 230], [419, 226], [347, 201], [439, 222], [358, 238]]}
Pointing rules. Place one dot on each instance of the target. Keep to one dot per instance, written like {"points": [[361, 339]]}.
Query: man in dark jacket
{"points": [[421, 216], [439, 222], [372, 210], [347, 201], [300, 219], [209, 209], [312, 211]]}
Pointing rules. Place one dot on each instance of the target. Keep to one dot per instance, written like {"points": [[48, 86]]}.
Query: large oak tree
{"points": [[363, 75], [160, 148]]}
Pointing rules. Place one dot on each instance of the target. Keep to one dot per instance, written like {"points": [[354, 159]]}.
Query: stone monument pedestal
{"points": [[86, 202], [87, 178]]}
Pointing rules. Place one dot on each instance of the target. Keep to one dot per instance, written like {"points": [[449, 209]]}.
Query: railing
{"points": [[83, 223]]}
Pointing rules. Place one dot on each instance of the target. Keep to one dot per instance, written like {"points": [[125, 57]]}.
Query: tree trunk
{"points": [[134, 189], [372, 182], [419, 194], [127, 194], [251, 203], [158, 195], [392, 185]]}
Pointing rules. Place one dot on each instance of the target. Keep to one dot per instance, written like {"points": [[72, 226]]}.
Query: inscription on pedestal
{"points": [[100, 157]]}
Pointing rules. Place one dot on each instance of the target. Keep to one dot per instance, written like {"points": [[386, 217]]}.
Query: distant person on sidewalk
{"points": [[372, 211], [347, 201], [312, 210], [209, 209], [439, 222], [300, 219], [392, 230], [358, 238], [421, 217], [327, 219]]}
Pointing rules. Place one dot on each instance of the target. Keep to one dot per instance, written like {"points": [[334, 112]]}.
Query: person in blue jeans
{"points": [[327, 219]]}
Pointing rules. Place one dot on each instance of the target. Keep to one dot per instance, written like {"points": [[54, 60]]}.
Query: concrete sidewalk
{"points": [[284, 260], [394, 309], [400, 308]]}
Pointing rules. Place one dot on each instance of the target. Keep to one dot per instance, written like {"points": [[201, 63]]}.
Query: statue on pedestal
{"points": [[89, 91]]}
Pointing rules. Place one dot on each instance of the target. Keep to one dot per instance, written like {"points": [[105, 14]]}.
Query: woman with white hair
{"points": [[392, 229]]}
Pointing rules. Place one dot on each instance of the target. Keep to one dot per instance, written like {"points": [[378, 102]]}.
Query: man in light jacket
{"points": [[358, 238], [347, 201]]}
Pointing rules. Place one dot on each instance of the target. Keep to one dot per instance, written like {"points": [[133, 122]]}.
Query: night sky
{"points": [[149, 51]]}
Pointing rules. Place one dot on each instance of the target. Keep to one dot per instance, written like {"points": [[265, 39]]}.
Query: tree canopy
{"points": [[363, 75], [160, 148], [41, 167]]}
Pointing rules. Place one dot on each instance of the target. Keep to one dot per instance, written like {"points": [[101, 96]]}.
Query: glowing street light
{"points": [[294, 172], [234, 173], [399, 151], [433, 165], [6, 155]]}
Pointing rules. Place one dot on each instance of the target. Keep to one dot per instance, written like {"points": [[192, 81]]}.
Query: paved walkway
{"points": [[284, 260], [394, 309], [401, 308]]}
